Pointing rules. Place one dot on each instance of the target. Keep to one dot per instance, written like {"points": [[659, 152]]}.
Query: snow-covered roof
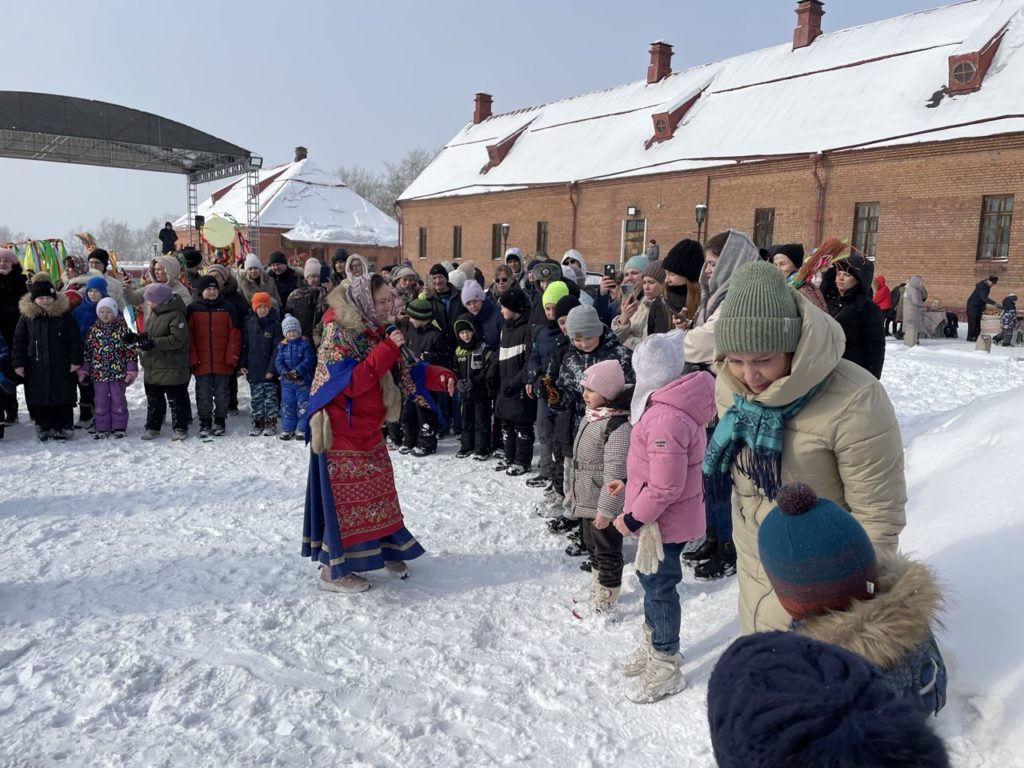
{"points": [[313, 205], [856, 88]]}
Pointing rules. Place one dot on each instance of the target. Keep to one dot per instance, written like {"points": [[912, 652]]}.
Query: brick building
{"points": [[305, 210], [906, 136]]}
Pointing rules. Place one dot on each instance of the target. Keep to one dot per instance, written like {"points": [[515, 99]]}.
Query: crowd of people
{"points": [[677, 403]]}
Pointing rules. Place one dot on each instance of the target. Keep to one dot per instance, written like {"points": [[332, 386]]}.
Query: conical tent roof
{"points": [[311, 204]]}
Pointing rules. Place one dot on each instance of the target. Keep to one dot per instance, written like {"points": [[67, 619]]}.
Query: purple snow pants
{"points": [[110, 406]]}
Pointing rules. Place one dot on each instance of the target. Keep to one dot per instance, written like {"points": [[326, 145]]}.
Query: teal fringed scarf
{"points": [[760, 429]]}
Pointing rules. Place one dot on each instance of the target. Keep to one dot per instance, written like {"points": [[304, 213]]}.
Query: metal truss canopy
{"points": [[38, 126], [64, 129]]}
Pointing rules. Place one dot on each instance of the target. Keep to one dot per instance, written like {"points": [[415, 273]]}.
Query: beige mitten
{"points": [[649, 552]]}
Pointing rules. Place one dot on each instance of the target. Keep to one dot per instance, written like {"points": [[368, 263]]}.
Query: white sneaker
{"points": [[397, 568], [635, 664], [661, 678], [350, 584]]}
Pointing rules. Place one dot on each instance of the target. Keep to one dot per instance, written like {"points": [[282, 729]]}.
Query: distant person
{"points": [[846, 287], [1007, 321], [914, 297], [883, 298], [168, 238], [976, 306], [653, 251]]}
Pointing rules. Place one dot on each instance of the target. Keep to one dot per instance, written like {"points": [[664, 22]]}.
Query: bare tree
{"points": [[7, 236], [382, 189]]}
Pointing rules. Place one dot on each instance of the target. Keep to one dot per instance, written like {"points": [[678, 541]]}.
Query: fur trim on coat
{"points": [[895, 622]]}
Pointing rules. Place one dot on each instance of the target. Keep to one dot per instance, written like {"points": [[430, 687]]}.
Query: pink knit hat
{"points": [[605, 378]]}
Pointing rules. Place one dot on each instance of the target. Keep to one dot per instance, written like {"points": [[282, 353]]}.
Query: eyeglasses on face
{"points": [[501, 279]]}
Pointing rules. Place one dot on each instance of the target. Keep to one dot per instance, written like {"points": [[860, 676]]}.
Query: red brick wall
{"points": [[930, 197]]}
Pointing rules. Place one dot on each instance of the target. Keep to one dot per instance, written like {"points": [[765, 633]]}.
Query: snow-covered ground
{"points": [[154, 610]]}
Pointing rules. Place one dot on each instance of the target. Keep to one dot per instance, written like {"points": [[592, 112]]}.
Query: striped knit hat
{"points": [[817, 557], [759, 313], [419, 309]]}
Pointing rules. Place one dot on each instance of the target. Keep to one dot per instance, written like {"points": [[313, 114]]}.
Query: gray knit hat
{"points": [[583, 322], [759, 313], [655, 271]]}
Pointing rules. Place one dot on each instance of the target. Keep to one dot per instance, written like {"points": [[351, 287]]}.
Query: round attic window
{"points": [[964, 73]]}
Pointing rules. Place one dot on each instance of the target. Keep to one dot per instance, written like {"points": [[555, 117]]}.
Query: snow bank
{"points": [[155, 610]]}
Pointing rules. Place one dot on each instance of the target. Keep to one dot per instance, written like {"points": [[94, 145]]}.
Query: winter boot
{"points": [[576, 547], [286, 436], [463, 454], [218, 429], [179, 434], [604, 602], [118, 433], [538, 482], [704, 552], [721, 564], [204, 429], [150, 434], [515, 470], [502, 465], [350, 584], [583, 597], [270, 427], [257, 428], [661, 678], [397, 569], [635, 664], [562, 524]]}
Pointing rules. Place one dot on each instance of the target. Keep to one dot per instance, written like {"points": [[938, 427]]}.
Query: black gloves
{"points": [[130, 337], [145, 343]]}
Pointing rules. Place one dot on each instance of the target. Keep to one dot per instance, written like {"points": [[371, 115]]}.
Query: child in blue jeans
{"points": [[294, 362]]}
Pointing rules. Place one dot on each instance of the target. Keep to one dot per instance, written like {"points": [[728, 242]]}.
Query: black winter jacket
{"points": [[262, 335], [286, 282], [860, 317], [979, 298], [473, 366], [513, 404], [46, 344]]}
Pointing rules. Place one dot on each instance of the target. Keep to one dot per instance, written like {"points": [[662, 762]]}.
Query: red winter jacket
{"points": [[883, 296], [215, 338]]}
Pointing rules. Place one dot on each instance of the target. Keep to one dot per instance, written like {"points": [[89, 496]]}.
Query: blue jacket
{"points": [[296, 355], [262, 338], [85, 313]]}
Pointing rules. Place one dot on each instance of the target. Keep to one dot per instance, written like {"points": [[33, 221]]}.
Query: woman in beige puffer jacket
{"points": [[844, 441]]}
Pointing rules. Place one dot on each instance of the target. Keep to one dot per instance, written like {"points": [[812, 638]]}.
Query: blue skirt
{"points": [[322, 530]]}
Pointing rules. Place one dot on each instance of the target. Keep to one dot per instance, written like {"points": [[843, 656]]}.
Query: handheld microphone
{"points": [[407, 354]]}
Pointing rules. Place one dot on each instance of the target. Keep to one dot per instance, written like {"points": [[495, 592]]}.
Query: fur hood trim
{"points": [[31, 310], [906, 605], [345, 314]]}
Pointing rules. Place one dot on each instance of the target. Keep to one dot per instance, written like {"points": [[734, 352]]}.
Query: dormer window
{"points": [[964, 73], [970, 62]]}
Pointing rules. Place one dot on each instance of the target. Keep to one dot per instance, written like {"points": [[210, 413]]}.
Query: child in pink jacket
{"points": [[665, 494]]}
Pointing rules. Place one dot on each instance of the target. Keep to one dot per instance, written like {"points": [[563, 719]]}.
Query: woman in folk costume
{"points": [[353, 522]]}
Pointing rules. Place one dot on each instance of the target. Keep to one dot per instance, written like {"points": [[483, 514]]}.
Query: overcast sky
{"points": [[357, 83]]}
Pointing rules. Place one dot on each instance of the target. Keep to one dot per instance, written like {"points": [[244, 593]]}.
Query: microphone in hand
{"points": [[407, 354]]}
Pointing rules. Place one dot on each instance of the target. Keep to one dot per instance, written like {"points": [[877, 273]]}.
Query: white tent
{"points": [[311, 205]]}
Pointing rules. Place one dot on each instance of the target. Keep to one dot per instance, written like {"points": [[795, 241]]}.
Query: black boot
{"points": [[257, 428], [576, 547], [722, 563], [703, 552]]}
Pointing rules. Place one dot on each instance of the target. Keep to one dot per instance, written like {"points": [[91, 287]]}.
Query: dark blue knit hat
{"points": [[817, 557], [781, 699]]}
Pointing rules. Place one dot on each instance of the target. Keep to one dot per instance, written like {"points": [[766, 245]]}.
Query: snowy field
{"points": [[154, 610]]}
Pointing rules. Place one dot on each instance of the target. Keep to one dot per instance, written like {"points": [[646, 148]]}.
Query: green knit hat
{"points": [[759, 313], [554, 292]]}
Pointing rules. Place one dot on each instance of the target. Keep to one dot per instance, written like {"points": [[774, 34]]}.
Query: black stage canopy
{"points": [[64, 129]]}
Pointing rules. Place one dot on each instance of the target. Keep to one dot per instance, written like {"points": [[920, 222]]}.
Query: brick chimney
{"points": [[481, 107], [661, 62], [300, 153], [808, 22]]}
